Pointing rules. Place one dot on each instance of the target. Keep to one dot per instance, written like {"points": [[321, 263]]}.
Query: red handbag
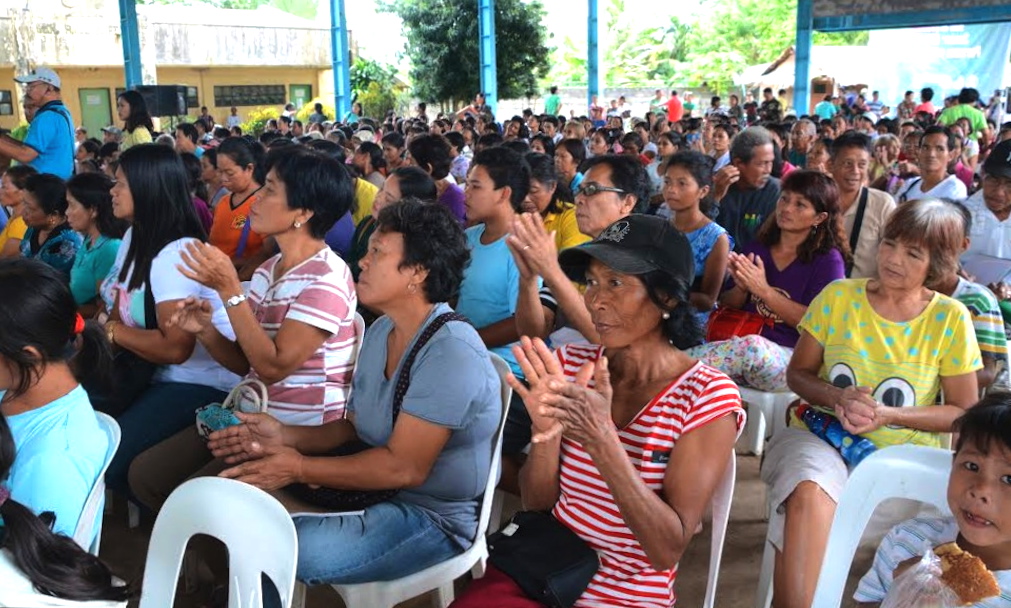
{"points": [[726, 323]]}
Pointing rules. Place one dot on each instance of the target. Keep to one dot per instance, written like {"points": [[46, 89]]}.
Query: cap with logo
{"points": [[40, 74], [636, 244], [998, 163]]}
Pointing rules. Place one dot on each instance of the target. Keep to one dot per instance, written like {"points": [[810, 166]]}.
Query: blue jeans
{"points": [[162, 410], [390, 540]]}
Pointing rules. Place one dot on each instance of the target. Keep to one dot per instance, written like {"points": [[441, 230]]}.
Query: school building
{"points": [[225, 58]]}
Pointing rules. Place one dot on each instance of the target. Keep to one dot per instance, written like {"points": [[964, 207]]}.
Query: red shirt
{"points": [[674, 109]]}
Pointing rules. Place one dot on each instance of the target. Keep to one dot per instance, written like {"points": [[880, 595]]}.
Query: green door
{"points": [[299, 94], [96, 111]]}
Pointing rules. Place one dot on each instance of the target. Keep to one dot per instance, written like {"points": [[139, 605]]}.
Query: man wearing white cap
{"points": [[49, 144]]}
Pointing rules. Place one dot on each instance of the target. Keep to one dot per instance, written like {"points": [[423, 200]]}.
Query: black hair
{"points": [[223, 132], [49, 191], [455, 139], [394, 139], [139, 116], [952, 141], [542, 170], [926, 94], [576, 149], [516, 145], [968, 95], [628, 174], [92, 147], [108, 150], [984, 423], [489, 140], [506, 167], [315, 182], [700, 166], [433, 240], [211, 154], [194, 171], [851, 139], [244, 154], [92, 191], [328, 148], [414, 182], [374, 152], [431, 152], [38, 311], [632, 140], [547, 143], [188, 131], [286, 120], [162, 207], [682, 328], [19, 175]]}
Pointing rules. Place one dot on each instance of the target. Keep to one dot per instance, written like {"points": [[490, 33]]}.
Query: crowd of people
{"points": [[632, 272]]}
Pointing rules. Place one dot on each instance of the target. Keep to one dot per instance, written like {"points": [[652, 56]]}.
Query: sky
{"points": [[379, 34]]}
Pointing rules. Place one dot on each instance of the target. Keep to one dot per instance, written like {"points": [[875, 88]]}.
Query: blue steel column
{"points": [[340, 56], [489, 69], [802, 57], [130, 33], [593, 53]]}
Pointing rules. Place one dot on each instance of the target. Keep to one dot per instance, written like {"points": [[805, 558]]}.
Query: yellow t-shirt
{"points": [[15, 229], [902, 363], [140, 135], [566, 229], [365, 195]]}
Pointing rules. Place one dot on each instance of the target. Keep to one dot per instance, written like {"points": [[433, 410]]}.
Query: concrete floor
{"points": [[124, 549]]}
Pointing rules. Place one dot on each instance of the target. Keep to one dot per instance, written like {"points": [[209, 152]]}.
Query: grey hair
{"points": [[745, 142], [808, 125]]}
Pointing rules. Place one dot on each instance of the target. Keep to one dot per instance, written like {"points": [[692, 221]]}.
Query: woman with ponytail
{"points": [[47, 422]]}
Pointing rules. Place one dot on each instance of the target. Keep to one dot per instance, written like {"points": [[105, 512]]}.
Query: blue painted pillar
{"points": [[802, 57], [340, 56], [489, 69], [130, 33], [593, 79]]}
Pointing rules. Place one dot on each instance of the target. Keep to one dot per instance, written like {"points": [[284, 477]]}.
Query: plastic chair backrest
{"points": [[722, 498], [88, 532], [902, 471], [256, 529], [506, 393]]}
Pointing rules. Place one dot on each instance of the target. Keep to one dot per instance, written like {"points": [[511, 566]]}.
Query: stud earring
{"points": [[298, 224], [665, 316]]}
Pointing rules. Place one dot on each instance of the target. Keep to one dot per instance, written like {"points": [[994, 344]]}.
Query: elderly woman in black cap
{"points": [[631, 437]]}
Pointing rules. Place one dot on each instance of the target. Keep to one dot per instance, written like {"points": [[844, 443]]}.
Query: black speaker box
{"points": [[164, 99]]}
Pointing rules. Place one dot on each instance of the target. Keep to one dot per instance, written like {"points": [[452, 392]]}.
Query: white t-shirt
{"points": [[167, 284], [17, 591], [950, 188], [989, 235]]}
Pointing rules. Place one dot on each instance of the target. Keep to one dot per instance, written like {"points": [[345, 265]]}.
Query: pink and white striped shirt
{"points": [[318, 292], [587, 506]]}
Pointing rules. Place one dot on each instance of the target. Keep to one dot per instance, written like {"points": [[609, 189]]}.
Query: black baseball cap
{"points": [[998, 163], [635, 244]]}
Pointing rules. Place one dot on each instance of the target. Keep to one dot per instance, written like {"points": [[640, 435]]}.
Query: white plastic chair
{"points": [[902, 471], [766, 415], [722, 498], [440, 577], [256, 529], [88, 532]]}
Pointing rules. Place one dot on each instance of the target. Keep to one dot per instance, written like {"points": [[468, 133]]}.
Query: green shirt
{"points": [[977, 120], [689, 107], [552, 104], [91, 266]]}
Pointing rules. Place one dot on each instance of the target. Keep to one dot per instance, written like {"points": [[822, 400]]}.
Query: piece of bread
{"points": [[966, 574]]}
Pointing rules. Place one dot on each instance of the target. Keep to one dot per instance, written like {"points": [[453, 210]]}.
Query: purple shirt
{"points": [[203, 213], [453, 198], [339, 236], [799, 281]]}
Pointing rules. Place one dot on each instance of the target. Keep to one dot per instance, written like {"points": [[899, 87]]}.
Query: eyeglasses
{"points": [[592, 189]]}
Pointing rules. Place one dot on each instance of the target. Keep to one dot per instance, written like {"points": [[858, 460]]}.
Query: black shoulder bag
{"points": [[548, 561], [131, 373], [336, 500], [858, 223]]}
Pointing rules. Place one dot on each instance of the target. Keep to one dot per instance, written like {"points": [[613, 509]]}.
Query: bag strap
{"points": [[858, 223], [243, 240], [404, 379], [252, 387]]}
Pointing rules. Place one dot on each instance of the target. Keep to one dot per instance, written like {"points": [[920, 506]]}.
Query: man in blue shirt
{"points": [[49, 144]]}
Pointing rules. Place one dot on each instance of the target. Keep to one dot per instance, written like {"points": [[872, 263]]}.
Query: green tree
{"points": [[442, 44]]}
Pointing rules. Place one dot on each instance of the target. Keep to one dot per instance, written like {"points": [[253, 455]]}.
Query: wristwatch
{"points": [[235, 300], [110, 331]]}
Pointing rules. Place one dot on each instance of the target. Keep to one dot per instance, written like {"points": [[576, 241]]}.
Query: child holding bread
{"points": [[974, 543]]}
